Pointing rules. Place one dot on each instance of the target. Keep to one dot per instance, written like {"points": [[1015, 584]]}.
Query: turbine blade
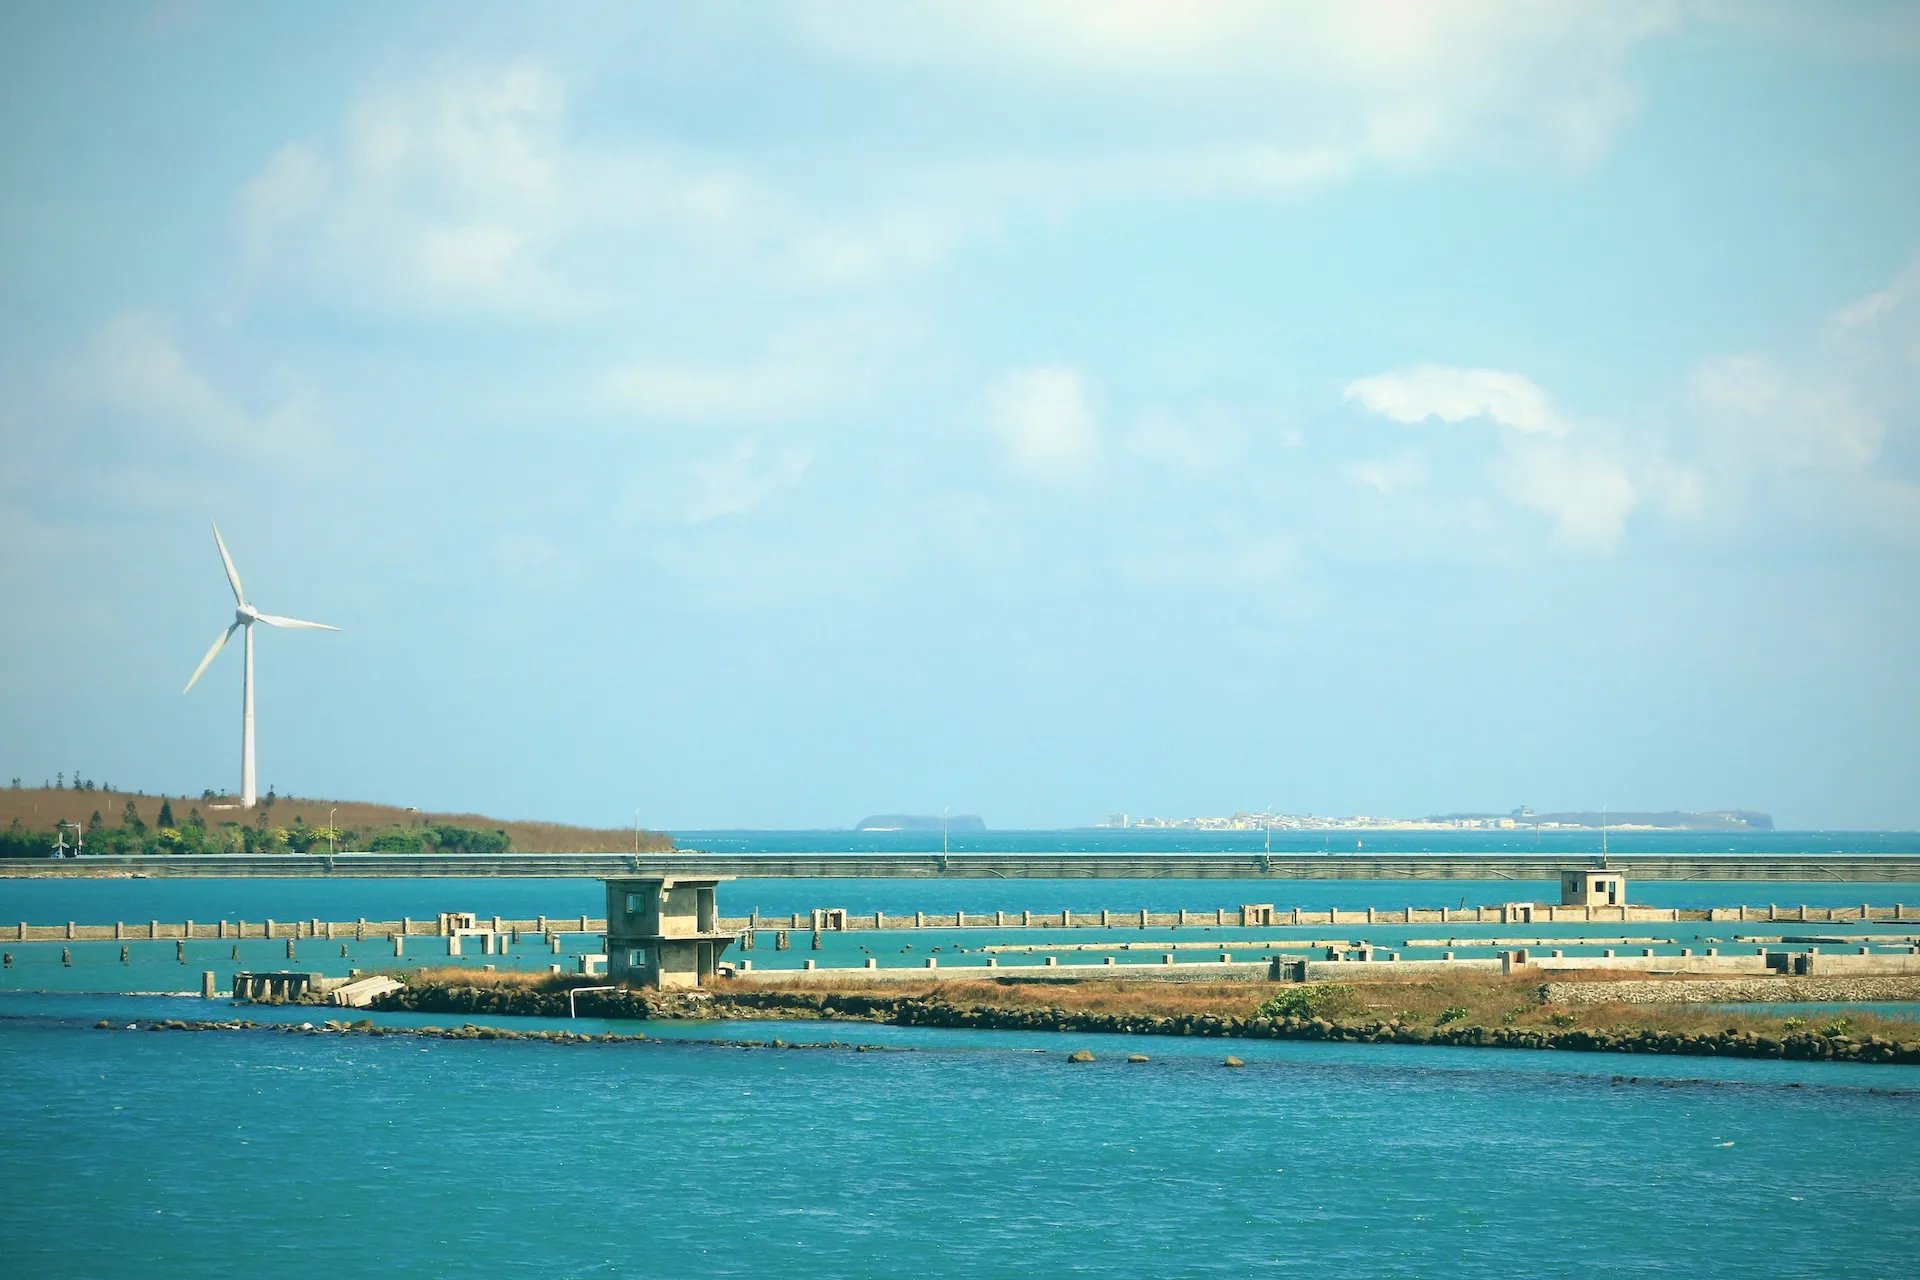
{"points": [[219, 643], [233, 574], [274, 620]]}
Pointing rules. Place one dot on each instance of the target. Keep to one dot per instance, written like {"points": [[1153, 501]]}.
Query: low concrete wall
{"points": [[1734, 991], [1179, 971]]}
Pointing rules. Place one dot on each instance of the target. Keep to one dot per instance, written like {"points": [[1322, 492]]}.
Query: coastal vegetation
{"points": [[1481, 1011], [103, 821]]}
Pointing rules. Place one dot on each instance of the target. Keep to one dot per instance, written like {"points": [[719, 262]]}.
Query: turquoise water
{"points": [[133, 1153], [976, 1154]]}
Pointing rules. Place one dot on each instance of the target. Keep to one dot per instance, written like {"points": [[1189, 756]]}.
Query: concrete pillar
{"points": [[188, 931], [1558, 954], [1108, 960], [1066, 919], [70, 928], [1443, 915], [1743, 913], [993, 962], [933, 962], [999, 917], [1026, 919], [123, 954], [330, 934], [1166, 957], [879, 920], [496, 925], [1296, 915], [1863, 951], [180, 951], [1333, 915], [207, 989], [583, 925], [290, 949], [399, 944], [1608, 953], [872, 963], [453, 944], [806, 964], [1106, 918], [1686, 951], [919, 919], [1713, 951], [360, 929], [1369, 915], [66, 956], [1052, 960], [1183, 915], [555, 943], [1446, 955], [119, 930], [1226, 957], [1219, 915], [959, 918], [269, 932], [1646, 951], [490, 944]]}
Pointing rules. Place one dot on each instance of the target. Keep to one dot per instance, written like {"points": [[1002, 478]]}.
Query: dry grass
{"points": [[38, 808]]}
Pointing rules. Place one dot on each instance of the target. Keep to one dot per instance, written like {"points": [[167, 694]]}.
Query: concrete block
{"points": [[871, 963], [1053, 960], [933, 962], [806, 964], [207, 989]]}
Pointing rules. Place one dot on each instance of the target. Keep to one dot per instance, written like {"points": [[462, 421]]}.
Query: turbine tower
{"points": [[244, 616]]}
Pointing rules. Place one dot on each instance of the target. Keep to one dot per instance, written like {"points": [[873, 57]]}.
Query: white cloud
{"points": [[803, 370], [1454, 395], [738, 480], [1388, 476], [136, 367], [1587, 494], [1274, 89], [1833, 405], [1044, 418]]}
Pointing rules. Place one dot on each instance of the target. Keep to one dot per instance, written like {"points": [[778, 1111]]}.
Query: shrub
{"points": [[1319, 1000], [1793, 1024], [1452, 1013], [1838, 1027]]}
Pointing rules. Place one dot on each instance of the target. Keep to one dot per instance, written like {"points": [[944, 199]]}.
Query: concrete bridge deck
{"points": [[1832, 868]]}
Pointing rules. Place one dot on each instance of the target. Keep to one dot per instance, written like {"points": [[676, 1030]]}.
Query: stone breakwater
{"points": [[469, 1031], [1733, 991], [908, 1011]]}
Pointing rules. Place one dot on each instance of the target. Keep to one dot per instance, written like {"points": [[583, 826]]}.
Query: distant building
{"points": [[1593, 889], [664, 931]]}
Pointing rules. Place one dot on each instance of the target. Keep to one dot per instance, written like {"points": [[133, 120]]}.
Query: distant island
{"points": [[920, 822], [1518, 819]]}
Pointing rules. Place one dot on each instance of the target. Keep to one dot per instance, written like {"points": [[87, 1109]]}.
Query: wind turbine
{"points": [[244, 616]]}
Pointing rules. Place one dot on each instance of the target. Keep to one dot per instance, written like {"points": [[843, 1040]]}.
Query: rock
{"points": [[1233, 1062], [1080, 1055], [1132, 1057]]}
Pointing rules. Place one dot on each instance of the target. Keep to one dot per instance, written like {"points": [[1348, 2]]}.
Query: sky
{"points": [[767, 414]]}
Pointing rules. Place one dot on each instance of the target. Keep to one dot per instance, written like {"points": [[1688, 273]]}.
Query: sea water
{"points": [[136, 1153], [962, 1153]]}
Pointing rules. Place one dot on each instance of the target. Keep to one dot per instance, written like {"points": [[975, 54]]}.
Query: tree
{"points": [[94, 823], [131, 820], [166, 812]]}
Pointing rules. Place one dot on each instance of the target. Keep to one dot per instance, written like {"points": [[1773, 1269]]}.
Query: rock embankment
{"points": [[926, 1011], [1733, 991]]}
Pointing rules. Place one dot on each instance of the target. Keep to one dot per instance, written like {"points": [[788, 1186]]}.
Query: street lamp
{"points": [[636, 833], [331, 849], [944, 811]]}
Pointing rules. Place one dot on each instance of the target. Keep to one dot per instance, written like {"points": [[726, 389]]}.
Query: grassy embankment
{"points": [[286, 824], [1472, 1010]]}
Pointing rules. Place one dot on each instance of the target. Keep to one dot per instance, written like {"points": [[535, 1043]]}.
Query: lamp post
{"points": [[636, 833], [331, 849], [944, 811]]}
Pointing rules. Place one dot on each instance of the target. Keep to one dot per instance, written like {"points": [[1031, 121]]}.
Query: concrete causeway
{"points": [[1840, 868]]}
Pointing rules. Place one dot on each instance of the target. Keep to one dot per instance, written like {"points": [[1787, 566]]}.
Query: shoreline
{"points": [[941, 1010]]}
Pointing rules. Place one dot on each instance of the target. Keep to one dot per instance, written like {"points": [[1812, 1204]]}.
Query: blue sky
{"points": [[769, 414]]}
